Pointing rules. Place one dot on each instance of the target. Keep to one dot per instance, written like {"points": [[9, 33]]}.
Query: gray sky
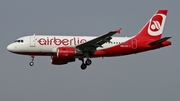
{"points": [[149, 76]]}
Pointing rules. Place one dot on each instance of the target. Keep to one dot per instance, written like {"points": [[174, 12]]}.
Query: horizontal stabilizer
{"points": [[159, 41]]}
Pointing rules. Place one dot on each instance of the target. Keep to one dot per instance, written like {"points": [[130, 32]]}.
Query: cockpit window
{"points": [[19, 41]]}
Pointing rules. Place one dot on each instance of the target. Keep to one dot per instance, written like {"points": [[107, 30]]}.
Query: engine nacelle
{"points": [[58, 61], [66, 52]]}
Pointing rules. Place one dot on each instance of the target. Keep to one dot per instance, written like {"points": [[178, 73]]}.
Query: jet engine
{"points": [[66, 52], [60, 61]]}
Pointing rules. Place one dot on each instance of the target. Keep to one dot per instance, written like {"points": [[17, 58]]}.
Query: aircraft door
{"points": [[32, 41], [134, 43]]}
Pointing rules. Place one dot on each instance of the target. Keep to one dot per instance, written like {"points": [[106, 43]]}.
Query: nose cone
{"points": [[10, 48]]}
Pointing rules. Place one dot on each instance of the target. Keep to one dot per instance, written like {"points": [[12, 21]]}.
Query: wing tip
{"points": [[118, 30]]}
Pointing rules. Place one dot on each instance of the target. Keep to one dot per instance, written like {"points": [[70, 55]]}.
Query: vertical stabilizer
{"points": [[154, 27]]}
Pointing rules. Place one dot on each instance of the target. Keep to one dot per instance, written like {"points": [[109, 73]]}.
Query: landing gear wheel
{"points": [[83, 66], [31, 63], [32, 60], [88, 62]]}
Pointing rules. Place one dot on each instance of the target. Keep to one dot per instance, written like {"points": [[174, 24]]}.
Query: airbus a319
{"points": [[66, 49]]}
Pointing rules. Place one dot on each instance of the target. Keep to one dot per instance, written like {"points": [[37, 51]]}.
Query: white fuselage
{"points": [[49, 44]]}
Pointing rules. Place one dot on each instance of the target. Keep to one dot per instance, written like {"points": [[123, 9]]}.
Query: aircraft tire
{"points": [[31, 63], [88, 62], [83, 66]]}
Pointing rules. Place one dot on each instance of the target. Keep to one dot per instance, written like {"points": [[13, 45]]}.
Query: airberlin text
{"points": [[61, 41]]}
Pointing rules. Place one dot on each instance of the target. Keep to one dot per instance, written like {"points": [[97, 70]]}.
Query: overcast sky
{"points": [[148, 76]]}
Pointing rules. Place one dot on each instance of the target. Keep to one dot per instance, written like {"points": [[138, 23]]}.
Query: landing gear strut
{"points": [[87, 63], [32, 60]]}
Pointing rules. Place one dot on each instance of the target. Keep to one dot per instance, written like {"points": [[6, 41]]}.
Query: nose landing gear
{"points": [[31, 63], [32, 60]]}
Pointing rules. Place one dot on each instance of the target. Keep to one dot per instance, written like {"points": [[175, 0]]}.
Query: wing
{"points": [[92, 45]]}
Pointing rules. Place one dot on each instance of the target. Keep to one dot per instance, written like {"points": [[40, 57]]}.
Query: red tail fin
{"points": [[154, 27]]}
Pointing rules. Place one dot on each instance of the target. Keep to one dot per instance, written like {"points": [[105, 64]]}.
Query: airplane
{"points": [[65, 49]]}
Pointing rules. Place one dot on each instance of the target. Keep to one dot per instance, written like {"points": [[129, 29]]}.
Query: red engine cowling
{"points": [[58, 61], [66, 52]]}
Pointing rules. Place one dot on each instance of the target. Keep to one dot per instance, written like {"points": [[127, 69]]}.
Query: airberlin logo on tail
{"points": [[156, 24], [63, 41]]}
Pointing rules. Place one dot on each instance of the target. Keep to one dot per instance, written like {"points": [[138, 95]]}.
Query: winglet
{"points": [[118, 31]]}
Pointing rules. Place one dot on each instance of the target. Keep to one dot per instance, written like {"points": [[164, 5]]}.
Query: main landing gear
{"points": [[32, 60], [87, 63]]}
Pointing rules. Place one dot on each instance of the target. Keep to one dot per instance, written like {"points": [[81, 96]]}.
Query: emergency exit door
{"points": [[134, 43]]}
